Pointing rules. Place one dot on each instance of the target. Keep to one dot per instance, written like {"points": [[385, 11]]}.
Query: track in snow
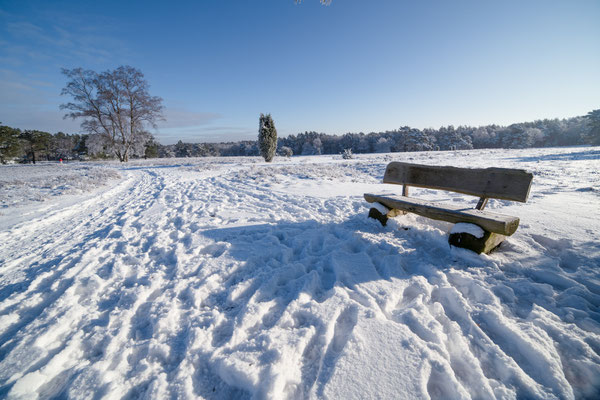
{"points": [[209, 281]]}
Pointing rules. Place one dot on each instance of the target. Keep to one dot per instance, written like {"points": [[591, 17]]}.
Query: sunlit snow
{"points": [[233, 278]]}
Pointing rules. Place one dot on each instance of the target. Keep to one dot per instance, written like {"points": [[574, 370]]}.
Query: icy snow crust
{"points": [[231, 278], [471, 229], [380, 207]]}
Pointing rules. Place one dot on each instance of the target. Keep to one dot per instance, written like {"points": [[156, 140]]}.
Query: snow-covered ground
{"points": [[23, 184], [232, 278]]}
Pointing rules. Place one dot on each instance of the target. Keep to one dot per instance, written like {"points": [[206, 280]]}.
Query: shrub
{"points": [[286, 151]]}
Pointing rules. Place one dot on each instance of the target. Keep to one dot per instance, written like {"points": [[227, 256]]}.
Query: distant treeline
{"points": [[31, 145], [541, 133]]}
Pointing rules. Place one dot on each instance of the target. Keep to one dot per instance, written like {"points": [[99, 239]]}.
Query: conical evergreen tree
{"points": [[267, 137]]}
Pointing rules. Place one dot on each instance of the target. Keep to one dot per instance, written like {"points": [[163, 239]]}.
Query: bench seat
{"points": [[490, 221]]}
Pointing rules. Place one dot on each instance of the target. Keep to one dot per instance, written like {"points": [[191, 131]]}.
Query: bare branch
{"points": [[115, 104]]}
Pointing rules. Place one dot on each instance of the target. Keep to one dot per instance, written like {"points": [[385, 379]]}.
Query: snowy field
{"points": [[229, 278]]}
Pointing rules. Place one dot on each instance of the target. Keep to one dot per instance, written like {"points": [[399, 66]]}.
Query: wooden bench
{"points": [[497, 183]]}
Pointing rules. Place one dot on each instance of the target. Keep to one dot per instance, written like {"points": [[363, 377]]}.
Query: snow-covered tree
{"points": [[286, 151], [519, 136], [484, 137], [114, 104], [183, 149], [62, 145], [308, 149], [593, 135], [9, 143], [318, 146], [34, 143], [312, 147], [151, 150], [449, 138], [382, 145], [165, 151], [535, 136], [267, 137], [416, 140], [97, 145]]}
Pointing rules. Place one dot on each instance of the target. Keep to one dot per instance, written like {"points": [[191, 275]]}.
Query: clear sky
{"points": [[352, 66]]}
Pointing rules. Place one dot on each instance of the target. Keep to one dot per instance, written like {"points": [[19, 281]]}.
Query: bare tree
{"points": [[115, 105]]}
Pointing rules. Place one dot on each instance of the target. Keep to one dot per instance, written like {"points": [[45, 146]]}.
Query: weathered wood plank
{"points": [[493, 222], [498, 183]]}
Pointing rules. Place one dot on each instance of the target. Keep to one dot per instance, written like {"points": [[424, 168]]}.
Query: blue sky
{"points": [[352, 66]]}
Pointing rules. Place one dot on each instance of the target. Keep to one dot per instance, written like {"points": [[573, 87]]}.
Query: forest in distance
{"points": [[30, 145]]}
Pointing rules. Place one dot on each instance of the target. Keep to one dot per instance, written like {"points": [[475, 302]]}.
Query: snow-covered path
{"points": [[227, 278]]}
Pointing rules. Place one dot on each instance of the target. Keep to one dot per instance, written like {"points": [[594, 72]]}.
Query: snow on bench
{"points": [[485, 183]]}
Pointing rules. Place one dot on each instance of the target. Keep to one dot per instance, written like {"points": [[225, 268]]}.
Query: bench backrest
{"points": [[497, 183]]}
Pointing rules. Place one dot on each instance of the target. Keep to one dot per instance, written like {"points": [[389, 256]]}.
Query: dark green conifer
{"points": [[267, 137]]}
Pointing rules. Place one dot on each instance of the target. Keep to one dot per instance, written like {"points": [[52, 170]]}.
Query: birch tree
{"points": [[115, 105]]}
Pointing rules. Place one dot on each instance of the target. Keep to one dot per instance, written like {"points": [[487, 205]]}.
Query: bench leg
{"points": [[485, 244], [376, 214], [383, 218]]}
